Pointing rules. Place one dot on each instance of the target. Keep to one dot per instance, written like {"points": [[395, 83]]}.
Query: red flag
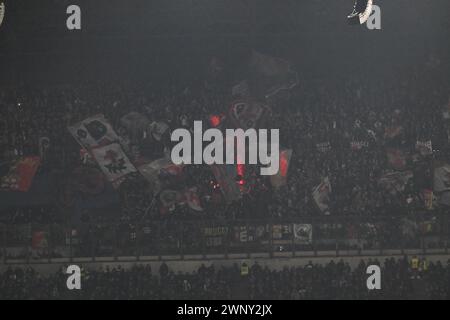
{"points": [[280, 179], [21, 174]]}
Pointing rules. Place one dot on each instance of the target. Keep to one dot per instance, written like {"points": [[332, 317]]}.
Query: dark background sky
{"points": [[160, 40]]}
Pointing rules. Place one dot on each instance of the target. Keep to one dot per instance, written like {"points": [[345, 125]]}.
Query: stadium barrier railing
{"points": [[201, 239]]}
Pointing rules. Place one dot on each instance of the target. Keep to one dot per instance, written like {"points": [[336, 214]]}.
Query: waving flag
{"points": [[248, 113], [113, 162], [323, 147], [20, 175], [188, 197], [192, 199], [361, 12], [94, 132], [395, 182], [358, 145], [270, 75], [170, 197], [241, 90], [321, 195]]}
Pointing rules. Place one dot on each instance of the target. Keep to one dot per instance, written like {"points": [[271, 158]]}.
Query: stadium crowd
{"points": [[336, 280], [317, 112], [337, 128], [367, 121]]}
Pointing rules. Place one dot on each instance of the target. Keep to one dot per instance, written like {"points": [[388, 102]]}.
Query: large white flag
{"points": [[248, 113], [113, 162], [94, 132], [395, 182], [425, 148]]}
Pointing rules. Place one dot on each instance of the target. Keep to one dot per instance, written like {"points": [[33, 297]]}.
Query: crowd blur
{"points": [[339, 128], [401, 279]]}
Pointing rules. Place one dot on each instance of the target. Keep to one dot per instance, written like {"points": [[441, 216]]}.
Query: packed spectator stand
{"points": [[338, 128], [335, 280]]}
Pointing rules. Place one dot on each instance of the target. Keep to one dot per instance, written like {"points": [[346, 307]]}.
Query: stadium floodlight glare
{"points": [[2, 12], [361, 12]]}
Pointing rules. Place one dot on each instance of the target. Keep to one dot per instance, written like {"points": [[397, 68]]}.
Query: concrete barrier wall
{"points": [[188, 266]]}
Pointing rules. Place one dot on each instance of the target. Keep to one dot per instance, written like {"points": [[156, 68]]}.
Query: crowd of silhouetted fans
{"points": [[336, 280], [320, 112], [319, 120]]}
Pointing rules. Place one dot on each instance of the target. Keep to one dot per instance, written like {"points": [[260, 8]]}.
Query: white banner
{"points": [[272, 74], [303, 233], [424, 147], [358, 145], [323, 147], [94, 132], [113, 162]]}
